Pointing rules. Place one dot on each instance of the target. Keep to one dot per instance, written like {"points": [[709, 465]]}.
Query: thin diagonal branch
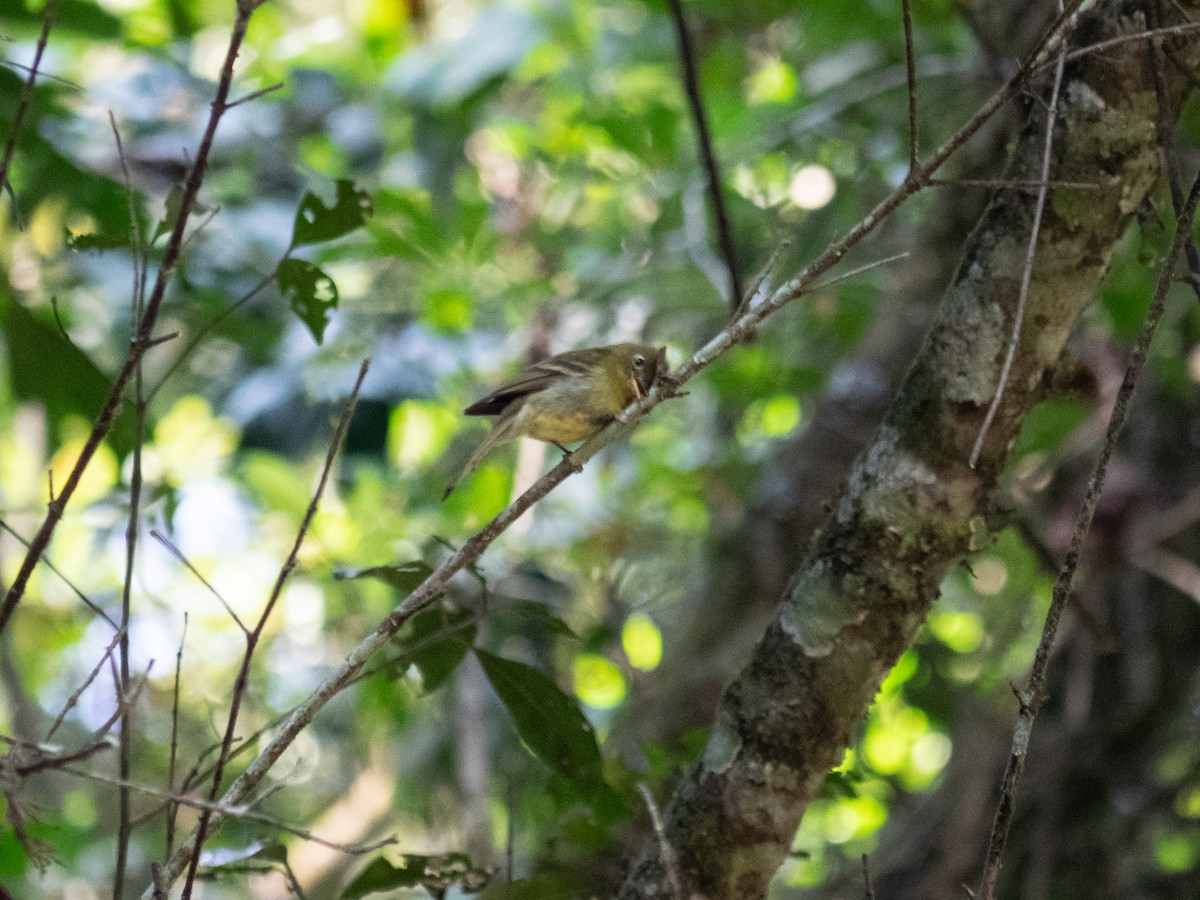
{"points": [[49, 14], [910, 70], [708, 157], [253, 637]]}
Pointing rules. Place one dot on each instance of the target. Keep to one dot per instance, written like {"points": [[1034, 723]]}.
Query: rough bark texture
{"points": [[912, 505]]}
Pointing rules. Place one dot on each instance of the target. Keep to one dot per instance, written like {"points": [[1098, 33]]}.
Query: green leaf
{"points": [[310, 292], [548, 721], [440, 639], [540, 615], [403, 577], [434, 873], [97, 241], [317, 223]]}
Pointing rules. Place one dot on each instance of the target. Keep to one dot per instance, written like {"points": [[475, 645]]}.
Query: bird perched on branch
{"points": [[566, 398]]}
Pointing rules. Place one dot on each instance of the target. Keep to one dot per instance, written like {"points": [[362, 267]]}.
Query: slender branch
{"points": [[1027, 271], [173, 807], [178, 554], [142, 339], [196, 339], [78, 692], [734, 332], [230, 812], [708, 157], [253, 637], [125, 736], [910, 71], [1035, 690], [4, 526], [49, 14], [1101, 46]]}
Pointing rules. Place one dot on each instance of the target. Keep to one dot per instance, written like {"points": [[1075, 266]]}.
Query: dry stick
{"points": [[125, 736], [735, 331], [253, 637], [1167, 143], [99, 739], [866, 870], [708, 158], [49, 14], [142, 339], [172, 806], [243, 814], [1030, 700], [78, 692], [910, 72], [1101, 46], [1026, 272], [670, 862], [178, 554]]}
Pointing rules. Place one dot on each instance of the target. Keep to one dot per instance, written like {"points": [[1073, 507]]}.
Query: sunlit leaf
{"points": [[434, 873], [311, 293], [404, 577]]}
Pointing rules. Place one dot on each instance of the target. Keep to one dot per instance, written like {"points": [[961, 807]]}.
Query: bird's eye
{"points": [[639, 361]]}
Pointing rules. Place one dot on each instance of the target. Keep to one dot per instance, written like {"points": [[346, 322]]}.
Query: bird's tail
{"points": [[502, 431]]}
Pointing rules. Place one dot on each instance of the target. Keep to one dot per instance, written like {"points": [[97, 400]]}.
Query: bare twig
{"points": [[172, 807], [254, 95], [125, 736], [253, 637], [865, 267], [666, 853], [230, 812], [178, 554], [1033, 695], [49, 14], [734, 332], [1027, 270], [196, 339], [4, 526], [708, 157], [1002, 184], [910, 71], [78, 692], [1102, 46], [142, 339]]}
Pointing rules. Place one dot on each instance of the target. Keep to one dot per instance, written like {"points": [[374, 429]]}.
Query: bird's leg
{"points": [[568, 457]]}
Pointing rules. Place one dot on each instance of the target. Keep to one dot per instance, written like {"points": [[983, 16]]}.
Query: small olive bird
{"points": [[566, 398]]}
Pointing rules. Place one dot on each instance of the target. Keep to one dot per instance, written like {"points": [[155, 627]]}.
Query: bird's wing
{"points": [[536, 378]]}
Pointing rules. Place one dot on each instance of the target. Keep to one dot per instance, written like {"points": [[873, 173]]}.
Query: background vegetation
{"points": [[452, 188]]}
